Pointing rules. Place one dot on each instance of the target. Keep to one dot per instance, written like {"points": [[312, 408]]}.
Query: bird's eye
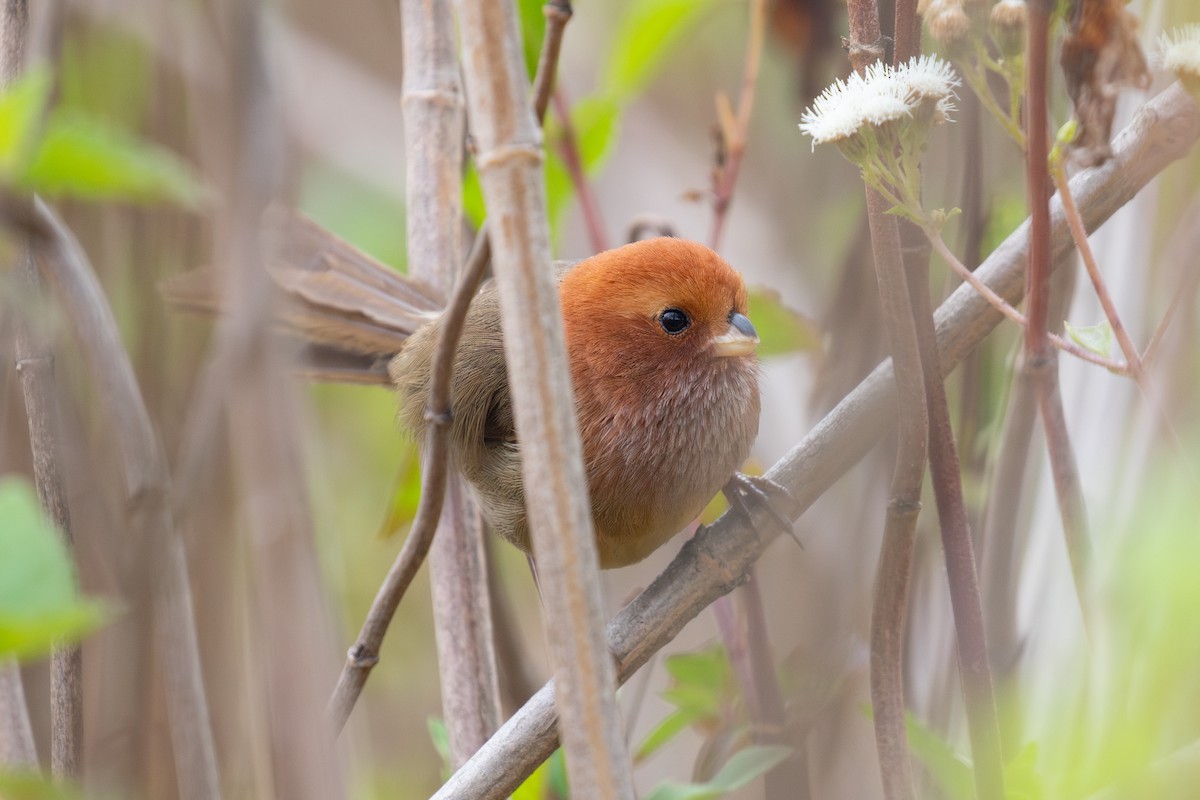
{"points": [[674, 321]]}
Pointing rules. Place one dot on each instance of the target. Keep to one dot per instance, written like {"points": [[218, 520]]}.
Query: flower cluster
{"points": [[880, 120], [1179, 52]]}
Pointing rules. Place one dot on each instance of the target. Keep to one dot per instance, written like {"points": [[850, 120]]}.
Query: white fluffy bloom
{"points": [[1179, 52], [928, 78], [879, 96]]}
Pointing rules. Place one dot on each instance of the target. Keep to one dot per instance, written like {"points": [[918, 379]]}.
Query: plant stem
{"points": [[568, 147], [1132, 360], [1040, 355], [734, 135]]}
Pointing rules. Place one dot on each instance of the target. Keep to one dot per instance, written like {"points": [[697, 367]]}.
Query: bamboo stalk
{"points": [[509, 161], [434, 127]]}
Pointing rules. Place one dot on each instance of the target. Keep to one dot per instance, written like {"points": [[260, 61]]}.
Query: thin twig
{"points": [[35, 366], [1040, 355], [736, 129], [568, 148], [889, 611], [1132, 360], [713, 563], [364, 654]]}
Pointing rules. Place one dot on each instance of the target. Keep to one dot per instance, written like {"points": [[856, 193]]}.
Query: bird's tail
{"points": [[351, 312]]}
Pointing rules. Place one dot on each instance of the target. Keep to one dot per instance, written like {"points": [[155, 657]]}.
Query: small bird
{"points": [[662, 359]]}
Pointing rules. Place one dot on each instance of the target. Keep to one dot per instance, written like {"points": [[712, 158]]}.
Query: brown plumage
{"points": [[665, 378]]}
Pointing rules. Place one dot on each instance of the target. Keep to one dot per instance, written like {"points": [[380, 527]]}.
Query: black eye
{"points": [[674, 321]]}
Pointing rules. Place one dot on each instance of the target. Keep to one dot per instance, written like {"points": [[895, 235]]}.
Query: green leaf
{"points": [[533, 31], [556, 773], [644, 39], [707, 668], [1096, 338], [21, 108], [951, 771], [39, 604], [743, 767], [780, 329], [34, 786], [83, 157], [670, 727], [596, 120], [441, 742], [533, 787], [406, 496], [473, 206]]}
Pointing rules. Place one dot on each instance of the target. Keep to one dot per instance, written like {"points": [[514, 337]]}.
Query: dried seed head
{"points": [[1007, 22], [947, 22]]}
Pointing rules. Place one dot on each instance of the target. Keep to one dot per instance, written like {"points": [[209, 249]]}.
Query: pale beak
{"points": [[739, 340]]}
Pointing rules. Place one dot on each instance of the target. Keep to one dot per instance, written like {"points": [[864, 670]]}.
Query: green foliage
{"points": [[406, 496], [1096, 338], [781, 330], [39, 605], [548, 781], [742, 767], [33, 786], [64, 152], [645, 36], [441, 742], [701, 688]]}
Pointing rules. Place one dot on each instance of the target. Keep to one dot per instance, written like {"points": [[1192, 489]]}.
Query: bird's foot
{"points": [[743, 490]]}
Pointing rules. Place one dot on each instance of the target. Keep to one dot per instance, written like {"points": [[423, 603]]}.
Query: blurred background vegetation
{"points": [[1088, 712]]}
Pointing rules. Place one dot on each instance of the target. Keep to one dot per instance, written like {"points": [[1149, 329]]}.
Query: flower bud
{"points": [[947, 22], [1008, 26], [1179, 52]]}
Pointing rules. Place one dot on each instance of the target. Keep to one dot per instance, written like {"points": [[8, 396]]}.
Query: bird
{"points": [[662, 357]]}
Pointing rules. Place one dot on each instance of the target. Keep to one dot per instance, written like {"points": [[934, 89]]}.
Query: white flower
{"points": [[1179, 52], [873, 99], [834, 115], [927, 78]]}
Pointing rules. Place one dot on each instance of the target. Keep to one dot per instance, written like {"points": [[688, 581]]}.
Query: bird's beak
{"points": [[739, 340]]}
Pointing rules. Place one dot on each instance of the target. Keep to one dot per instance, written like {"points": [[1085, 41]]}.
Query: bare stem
{"points": [[735, 131], [1039, 353], [1132, 359], [890, 608], [17, 747], [568, 147]]}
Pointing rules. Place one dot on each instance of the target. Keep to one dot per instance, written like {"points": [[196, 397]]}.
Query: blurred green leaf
{"points": [[84, 157], [742, 767], [595, 119], [406, 496], [952, 773], [441, 742], [643, 40], [22, 106], [533, 32], [34, 786], [473, 206], [707, 669], [533, 787], [39, 605], [1096, 338], [780, 329], [671, 726], [556, 772]]}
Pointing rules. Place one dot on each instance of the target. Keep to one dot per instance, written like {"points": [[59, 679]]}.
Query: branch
{"points": [[715, 560], [509, 162], [735, 130]]}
